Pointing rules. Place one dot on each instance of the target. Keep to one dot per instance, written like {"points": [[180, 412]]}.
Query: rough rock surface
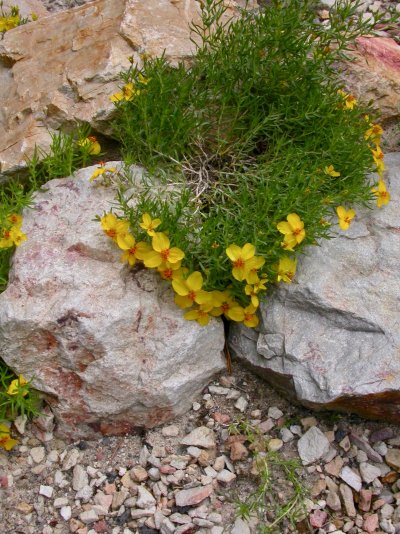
{"points": [[107, 345], [374, 74], [331, 339], [64, 67]]}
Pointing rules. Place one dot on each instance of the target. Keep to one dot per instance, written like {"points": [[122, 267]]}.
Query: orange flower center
{"points": [[191, 295], [133, 250], [225, 307], [6, 234], [111, 233], [347, 219], [290, 275], [248, 316], [239, 263], [165, 254], [168, 273], [383, 194], [296, 231]]}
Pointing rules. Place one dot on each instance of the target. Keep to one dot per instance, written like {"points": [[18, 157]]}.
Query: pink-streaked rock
{"points": [[374, 74], [331, 339], [318, 518], [193, 496], [107, 345], [371, 523], [64, 67]]}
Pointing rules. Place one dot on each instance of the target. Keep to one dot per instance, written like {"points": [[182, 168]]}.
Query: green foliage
{"points": [[245, 132], [25, 402], [275, 475]]}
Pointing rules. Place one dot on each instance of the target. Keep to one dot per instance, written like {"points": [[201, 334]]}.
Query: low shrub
{"points": [[257, 149]]}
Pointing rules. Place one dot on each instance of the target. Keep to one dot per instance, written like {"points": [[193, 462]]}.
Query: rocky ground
{"points": [[189, 475]]}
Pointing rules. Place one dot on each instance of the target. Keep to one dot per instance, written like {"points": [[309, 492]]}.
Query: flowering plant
{"points": [[261, 151]]}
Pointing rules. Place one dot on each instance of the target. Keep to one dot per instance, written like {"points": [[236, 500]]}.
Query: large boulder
{"points": [[106, 345], [64, 67], [373, 74], [331, 339]]}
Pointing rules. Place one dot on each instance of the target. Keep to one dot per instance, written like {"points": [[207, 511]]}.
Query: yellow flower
{"points": [[142, 79], [115, 228], [15, 385], [253, 290], [240, 258], [200, 314], [383, 196], [17, 236], [100, 171], [8, 23], [128, 92], [171, 271], [149, 224], [349, 100], [15, 219], [378, 159], [6, 441], [5, 240], [12, 236], [374, 133], [91, 144], [224, 304], [133, 251], [254, 263], [34, 17], [162, 252], [345, 217], [330, 171], [286, 269], [293, 230], [189, 291], [250, 318]]}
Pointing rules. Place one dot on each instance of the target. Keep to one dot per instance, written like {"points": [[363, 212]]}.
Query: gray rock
{"points": [[369, 472], [312, 446], [70, 459], [241, 404], [240, 527], [351, 478], [66, 513], [348, 500], [274, 412], [200, 437], [333, 501], [88, 516], [116, 352], [226, 477], [145, 498], [341, 335], [46, 491], [80, 478], [38, 454], [85, 493]]}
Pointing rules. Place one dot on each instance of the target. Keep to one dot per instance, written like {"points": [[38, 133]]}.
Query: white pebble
{"points": [[46, 491]]}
